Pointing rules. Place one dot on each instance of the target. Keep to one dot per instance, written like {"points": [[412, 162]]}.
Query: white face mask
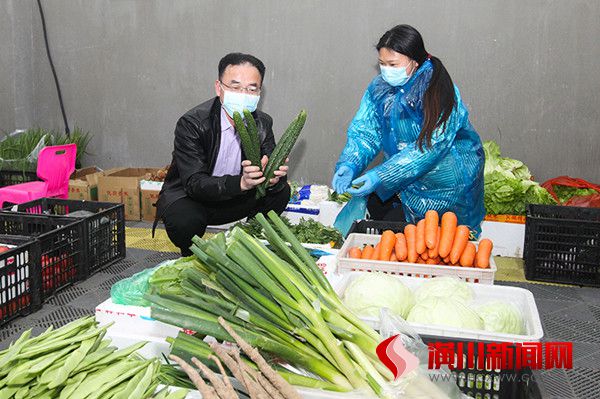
{"points": [[395, 76], [234, 101]]}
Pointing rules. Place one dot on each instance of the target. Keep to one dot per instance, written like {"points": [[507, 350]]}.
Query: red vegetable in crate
{"points": [[56, 272], [47, 273], [14, 306]]}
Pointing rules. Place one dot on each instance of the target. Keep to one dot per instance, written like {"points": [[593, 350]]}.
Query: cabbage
{"points": [[370, 292], [501, 317], [444, 287], [445, 312]]}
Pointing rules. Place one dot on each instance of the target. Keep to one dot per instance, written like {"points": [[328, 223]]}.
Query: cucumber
{"points": [[247, 142], [281, 151], [253, 133]]}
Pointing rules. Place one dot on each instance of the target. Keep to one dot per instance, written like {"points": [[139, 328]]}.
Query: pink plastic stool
{"points": [[55, 165]]}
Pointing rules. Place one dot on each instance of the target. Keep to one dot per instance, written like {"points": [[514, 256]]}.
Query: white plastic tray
{"points": [[482, 294], [346, 264], [132, 320]]}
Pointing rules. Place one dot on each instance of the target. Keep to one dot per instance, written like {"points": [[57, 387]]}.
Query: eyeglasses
{"points": [[238, 89]]}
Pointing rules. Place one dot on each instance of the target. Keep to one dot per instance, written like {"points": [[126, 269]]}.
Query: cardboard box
{"points": [[83, 184], [122, 185], [149, 193]]}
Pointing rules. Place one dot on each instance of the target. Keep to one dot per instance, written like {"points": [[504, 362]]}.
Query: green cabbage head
{"points": [[370, 292], [502, 317], [444, 287], [445, 312]]}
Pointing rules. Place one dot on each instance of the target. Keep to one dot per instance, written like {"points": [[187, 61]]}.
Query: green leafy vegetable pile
{"points": [[167, 279], [307, 231], [508, 184]]}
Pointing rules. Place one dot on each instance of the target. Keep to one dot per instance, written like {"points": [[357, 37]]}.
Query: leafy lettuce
{"points": [[508, 184]]}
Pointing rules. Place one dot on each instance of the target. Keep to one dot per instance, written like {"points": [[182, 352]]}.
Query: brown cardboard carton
{"points": [[83, 184], [149, 193], [122, 185]]}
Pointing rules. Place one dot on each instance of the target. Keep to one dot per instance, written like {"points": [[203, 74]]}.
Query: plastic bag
{"points": [[310, 194], [131, 290], [592, 200], [27, 163], [421, 382], [355, 209]]}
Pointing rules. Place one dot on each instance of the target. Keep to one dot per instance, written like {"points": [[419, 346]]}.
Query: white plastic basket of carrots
{"points": [[431, 248]]}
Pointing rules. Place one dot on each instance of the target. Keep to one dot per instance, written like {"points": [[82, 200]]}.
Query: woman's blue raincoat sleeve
{"points": [[364, 137]]}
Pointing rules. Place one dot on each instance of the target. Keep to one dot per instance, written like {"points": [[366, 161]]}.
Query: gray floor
{"points": [[568, 314]]}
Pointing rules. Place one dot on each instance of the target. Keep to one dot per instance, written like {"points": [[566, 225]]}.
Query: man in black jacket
{"points": [[209, 181]]}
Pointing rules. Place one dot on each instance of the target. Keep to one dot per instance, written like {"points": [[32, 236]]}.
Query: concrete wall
{"points": [[16, 65], [527, 70]]}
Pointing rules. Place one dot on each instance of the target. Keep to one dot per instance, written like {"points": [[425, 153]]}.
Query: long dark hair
{"points": [[439, 96]]}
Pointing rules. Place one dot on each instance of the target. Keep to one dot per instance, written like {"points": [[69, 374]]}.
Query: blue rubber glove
{"points": [[342, 179], [367, 182]]}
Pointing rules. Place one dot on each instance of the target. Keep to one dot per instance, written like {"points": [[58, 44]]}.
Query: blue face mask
{"points": [[234, 101], [395, 76]]}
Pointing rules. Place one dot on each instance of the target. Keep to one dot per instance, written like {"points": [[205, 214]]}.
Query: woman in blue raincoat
{"points": [[433, 158]]}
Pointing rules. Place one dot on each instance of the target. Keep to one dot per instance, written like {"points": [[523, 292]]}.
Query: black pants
{"points": [[390, 210], [186, 218]]}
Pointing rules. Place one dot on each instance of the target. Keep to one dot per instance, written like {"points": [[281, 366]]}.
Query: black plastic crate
{"points": [[487, 382], [10, 177], [19, 277], [104, 229], [61, 247], [376, 226], [562, 244]]}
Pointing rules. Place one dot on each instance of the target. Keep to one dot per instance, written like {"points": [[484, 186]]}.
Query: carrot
{"points": [[367, 252], [420, 243], [434, 252], [355, 253], [431, 261], [468, 256], [420, 261], [388, 241], [393, 257], [461, 238], [431, 226], [448, 230], [484, 252], [425, 255], [447, 259], [400, 247], [376, 252], [410, 232]]}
